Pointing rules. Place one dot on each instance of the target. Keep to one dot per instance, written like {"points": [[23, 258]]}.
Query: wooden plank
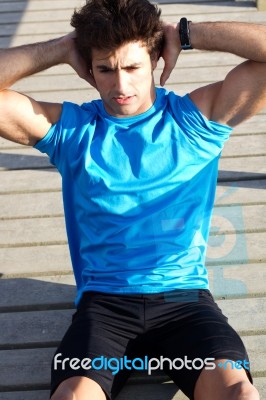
{"points": [[130, 392], [31, 367], [46, 204], [30, 29], [249, 16], [86, 94], [29, 395], [236, 249], [199, 75], [31, 205], [204, 8], [46, 292], [252, 126], [25, 368], [7, 6], [245, 314], [242, 168], [260, 384], [256, 145], [61, 27], [30, 181], [37, 83], [237, 219], [38, 293], [46, 328], [36, 260], [223, 247], [36, 16], [7, 144], [186, 60], [189, 8], [37, 5], [34, 328], [25, 157], [255, 344], [167, 9], [54, 259], [34, 7], [246, 192], [232, 281], [165, 5], [26, 231], [12, 18]]}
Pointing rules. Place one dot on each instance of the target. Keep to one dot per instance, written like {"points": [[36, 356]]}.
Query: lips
{"points": [[123, 100]]}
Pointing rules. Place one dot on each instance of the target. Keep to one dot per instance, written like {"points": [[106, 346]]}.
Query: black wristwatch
{"points": [[184, 34]]}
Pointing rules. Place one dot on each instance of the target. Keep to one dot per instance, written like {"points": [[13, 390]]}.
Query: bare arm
{"points": [[22, 119], [243, 91]]}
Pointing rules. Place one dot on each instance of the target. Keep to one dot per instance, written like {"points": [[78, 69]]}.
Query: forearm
{"points": [[19, 62], [243, 39]]}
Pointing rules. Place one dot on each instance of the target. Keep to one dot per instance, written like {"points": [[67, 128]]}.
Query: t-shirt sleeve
{"points": [[65, 133], [197, 127]]}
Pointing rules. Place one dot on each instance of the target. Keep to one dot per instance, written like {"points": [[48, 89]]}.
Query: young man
{"points": [[139, 171]]}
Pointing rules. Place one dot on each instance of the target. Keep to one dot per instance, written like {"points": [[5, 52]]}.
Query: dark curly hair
{"points": [[108, 24]]}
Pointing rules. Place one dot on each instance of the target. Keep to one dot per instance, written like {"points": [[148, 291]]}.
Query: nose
{"points": [[121, 81]]}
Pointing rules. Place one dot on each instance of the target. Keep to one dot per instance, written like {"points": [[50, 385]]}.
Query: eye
{"points": [[105, 70], [132, 68]]}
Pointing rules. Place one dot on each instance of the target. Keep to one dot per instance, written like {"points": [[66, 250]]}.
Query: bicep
{"points": [[24, 120], [240, 96]]}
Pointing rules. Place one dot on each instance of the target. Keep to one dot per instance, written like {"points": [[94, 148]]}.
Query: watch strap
{"points": [[184, 34]]}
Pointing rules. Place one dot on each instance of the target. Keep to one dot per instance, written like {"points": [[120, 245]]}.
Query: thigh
{"points": [[201, 334], [103, 330]]}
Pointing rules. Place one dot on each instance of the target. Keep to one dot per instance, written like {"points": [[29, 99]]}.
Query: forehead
{"points": [[129, 53]]}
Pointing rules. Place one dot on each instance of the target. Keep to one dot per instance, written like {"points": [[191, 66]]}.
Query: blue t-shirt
{"points": [[138, 193]]}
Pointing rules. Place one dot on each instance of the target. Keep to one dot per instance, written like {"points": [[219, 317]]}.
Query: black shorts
{"points": [[111, 335]]}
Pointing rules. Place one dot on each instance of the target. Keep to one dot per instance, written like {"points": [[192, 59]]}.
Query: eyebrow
{"points": [[109, 68]]}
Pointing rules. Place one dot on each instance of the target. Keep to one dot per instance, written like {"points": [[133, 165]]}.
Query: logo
{"points": [[227, 243], [239, 364]]}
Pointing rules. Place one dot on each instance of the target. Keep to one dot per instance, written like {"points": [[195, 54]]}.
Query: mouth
{"points": [[123, 100]]}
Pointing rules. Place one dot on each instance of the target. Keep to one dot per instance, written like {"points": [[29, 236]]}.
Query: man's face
{"points": [[124, 79]]}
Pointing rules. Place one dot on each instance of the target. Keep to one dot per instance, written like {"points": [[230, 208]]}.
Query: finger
{"points": [[164, 76], [168, 68]]}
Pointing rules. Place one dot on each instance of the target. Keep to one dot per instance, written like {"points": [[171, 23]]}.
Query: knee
{"points": [[244, 391], [79, 388], [63, 394]]}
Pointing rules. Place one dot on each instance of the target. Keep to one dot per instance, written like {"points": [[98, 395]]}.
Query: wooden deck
{"points": [[37, 286]]}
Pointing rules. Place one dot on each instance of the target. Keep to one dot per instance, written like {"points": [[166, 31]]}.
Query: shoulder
{"points": [[74, 121], [80, 114]]}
